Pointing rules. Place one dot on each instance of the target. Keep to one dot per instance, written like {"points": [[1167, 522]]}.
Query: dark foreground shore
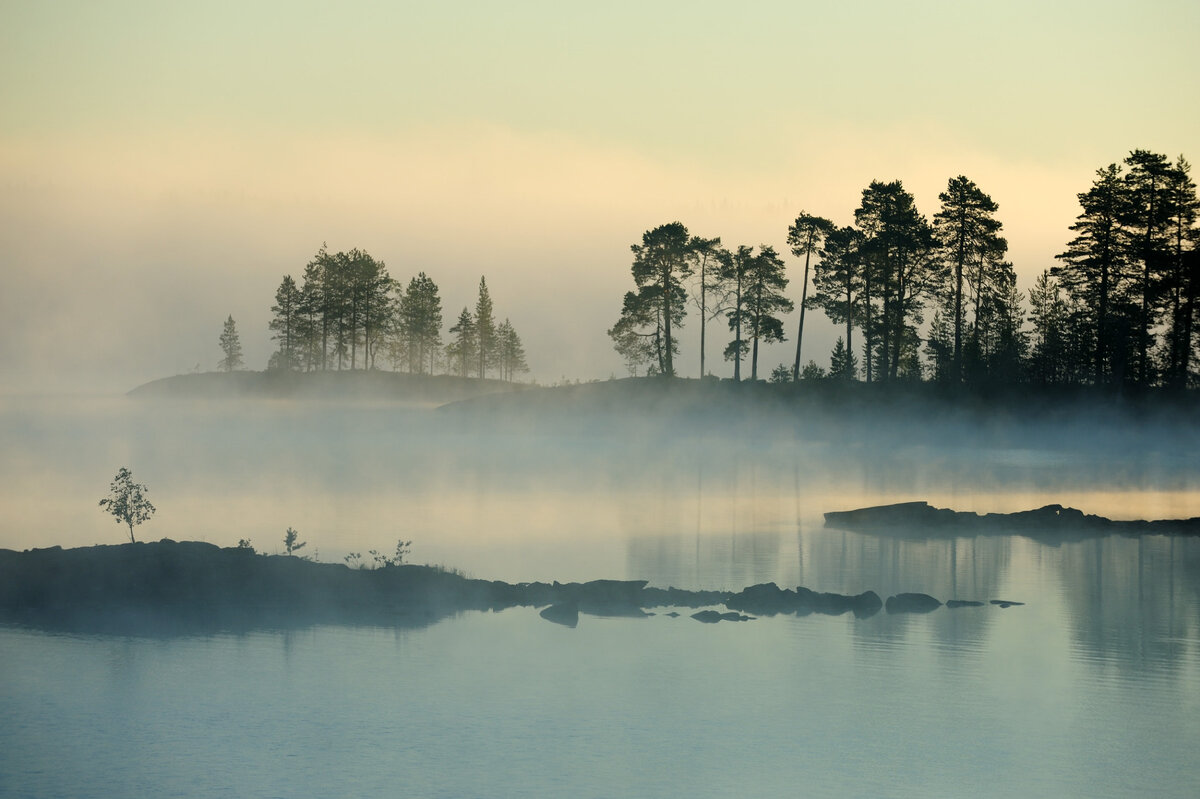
{"points": [[188, 587]]}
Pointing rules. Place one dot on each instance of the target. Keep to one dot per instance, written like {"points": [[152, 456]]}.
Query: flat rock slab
{"points": [[714, 616]]}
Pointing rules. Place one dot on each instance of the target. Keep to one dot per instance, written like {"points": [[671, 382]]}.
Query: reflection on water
{"points": [[1091, 688]]}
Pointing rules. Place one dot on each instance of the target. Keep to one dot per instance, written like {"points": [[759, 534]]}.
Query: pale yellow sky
{"points": [[163, 165]]}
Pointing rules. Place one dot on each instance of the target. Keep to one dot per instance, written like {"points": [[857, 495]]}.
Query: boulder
{"points": [[714, 616], [912, 603]]}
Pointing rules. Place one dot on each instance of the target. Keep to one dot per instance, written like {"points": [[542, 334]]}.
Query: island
{"points": [[1049, 522]]}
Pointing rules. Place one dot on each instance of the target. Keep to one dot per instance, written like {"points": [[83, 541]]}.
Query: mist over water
{"points": [[1090, 688], [504, 496]]}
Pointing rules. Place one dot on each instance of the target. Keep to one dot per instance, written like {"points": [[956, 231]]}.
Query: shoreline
{"points": [[168, 587]]}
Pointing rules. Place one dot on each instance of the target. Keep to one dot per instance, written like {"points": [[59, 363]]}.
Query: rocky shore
{"points": [[188, 587]]}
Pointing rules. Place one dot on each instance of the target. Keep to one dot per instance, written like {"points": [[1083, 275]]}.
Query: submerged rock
{"points": [[1005, 603], [963, 603], [566, 614], [714, 616], [912, 603], [768, 599]]}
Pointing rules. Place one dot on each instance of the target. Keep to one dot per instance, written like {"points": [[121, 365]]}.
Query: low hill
{"points": [[331, 385]]}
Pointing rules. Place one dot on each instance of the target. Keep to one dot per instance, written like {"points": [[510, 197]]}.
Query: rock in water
{"points": [[911, 603], [564, 613], [714, 616]]}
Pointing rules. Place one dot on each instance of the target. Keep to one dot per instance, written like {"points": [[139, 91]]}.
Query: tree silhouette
{"points": [[462, 349], [969, 237], [660, 264], [735, 267], [839, 284], [231, 346], [710, 292], [285, 324], [511, 351], [1094, 269], [127, 502], [763, 300], [485, 329], [805, 236]]}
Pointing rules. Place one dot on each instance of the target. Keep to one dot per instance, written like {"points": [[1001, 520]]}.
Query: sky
{"points": [[163, 165]]}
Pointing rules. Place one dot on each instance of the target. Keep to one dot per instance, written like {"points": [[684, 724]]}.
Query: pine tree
{"points": [[735, 268], [1145, 212], [312, 320], [286, 325], [485, 329], [969, 237], [420, 323], [901, 269], [231, 346], [842, 363], [660, 264], [1095, 271], [940, 348], [512, 352], [806, 236], [839, 281], [1049, 315], [1181, 278], [710, 291], [462, 349], [637, 333], [764, 299]]}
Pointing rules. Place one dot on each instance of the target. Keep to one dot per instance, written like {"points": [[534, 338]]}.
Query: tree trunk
{"points": [[703, 318], [800, 330], [849, 327], [669, 367]]}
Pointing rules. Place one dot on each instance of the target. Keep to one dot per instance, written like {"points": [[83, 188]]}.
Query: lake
{"points": [[1091, 688]]}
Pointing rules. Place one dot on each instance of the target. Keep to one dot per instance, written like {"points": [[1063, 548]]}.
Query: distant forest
{"points": [[938, 300], [349, 313]]}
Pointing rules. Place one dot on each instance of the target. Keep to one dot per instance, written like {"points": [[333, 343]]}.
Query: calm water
{"points": [[1090, 689]]}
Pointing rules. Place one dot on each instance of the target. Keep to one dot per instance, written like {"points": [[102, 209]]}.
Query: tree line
{"points": [[349, 313], [937, 299]]}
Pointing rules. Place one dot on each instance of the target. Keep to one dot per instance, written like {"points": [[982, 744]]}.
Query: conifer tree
{"points": [[901, 269], [839, 282], [231, 346], [1181, 274], [285, 324], [735, 268], [1095, 270], [644, 333], [842, 363], [1145, 213], [485, 329], [764, 299], [512, 352], [421, 323], [461, 351], [660, 265], [806, 236], [969, 237], [710, 291]]}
